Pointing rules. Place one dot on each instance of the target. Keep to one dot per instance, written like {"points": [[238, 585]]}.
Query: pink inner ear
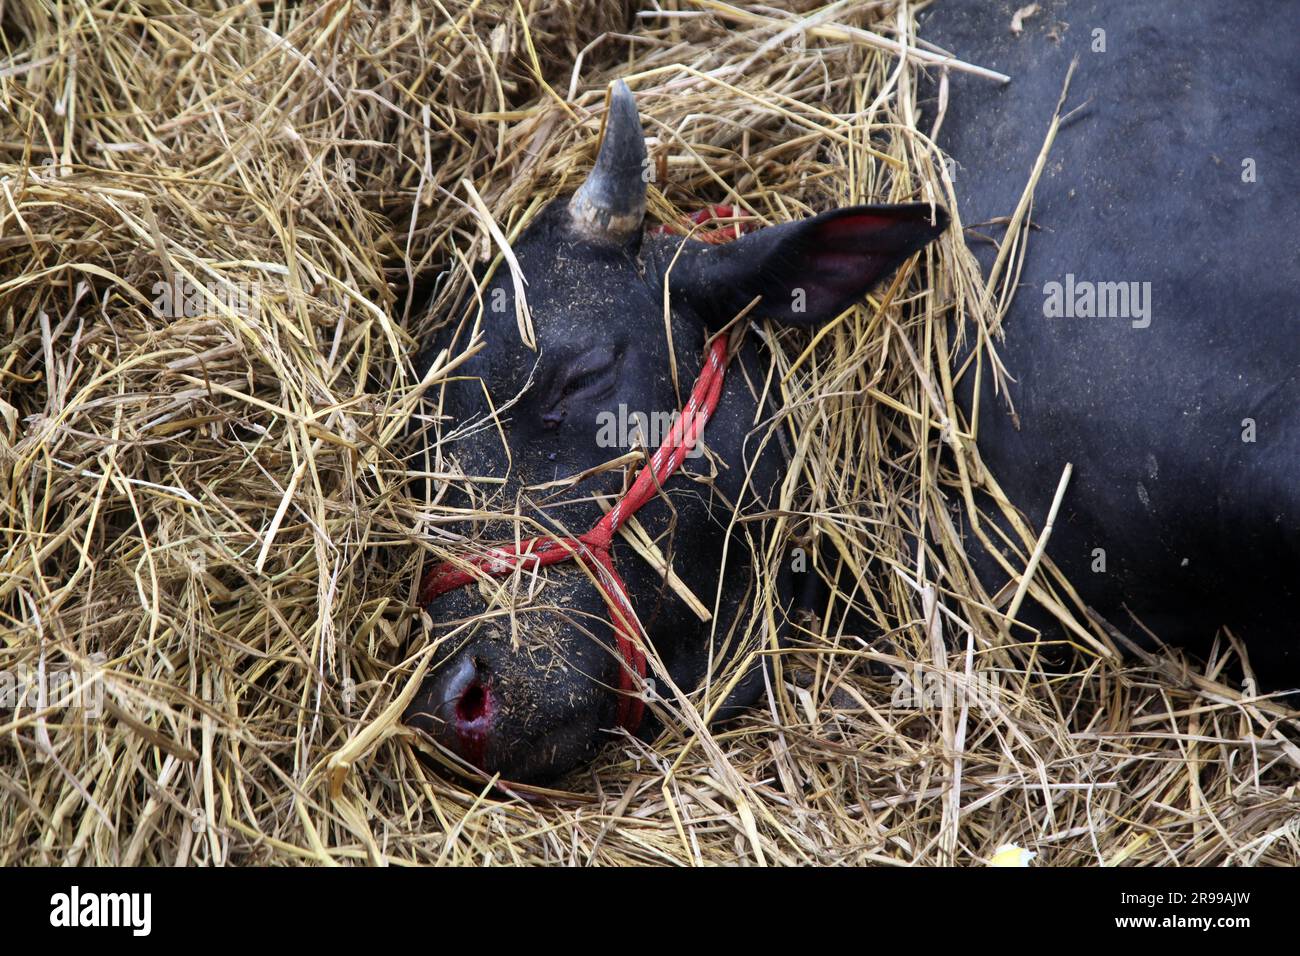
{"points": [[847, 227], [834, 274]]}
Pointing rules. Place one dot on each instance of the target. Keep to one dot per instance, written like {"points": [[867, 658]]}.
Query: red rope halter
{"points": [[592, 548]]}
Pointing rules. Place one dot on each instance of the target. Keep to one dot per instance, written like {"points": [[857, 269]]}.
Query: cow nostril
{"points": [[473, 703]]}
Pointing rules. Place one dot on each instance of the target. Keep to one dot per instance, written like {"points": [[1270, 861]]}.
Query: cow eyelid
{"points": [[581, 382], [586, 379]]}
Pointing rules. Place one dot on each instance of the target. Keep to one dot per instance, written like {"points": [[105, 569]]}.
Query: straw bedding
{"points": [[220, 234]]}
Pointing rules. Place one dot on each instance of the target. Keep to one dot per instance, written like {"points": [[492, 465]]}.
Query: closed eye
{"points": [[593, 374], [583, 382]]}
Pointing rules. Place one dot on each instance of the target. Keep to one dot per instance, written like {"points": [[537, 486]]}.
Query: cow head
{"points": [[526, 678]]}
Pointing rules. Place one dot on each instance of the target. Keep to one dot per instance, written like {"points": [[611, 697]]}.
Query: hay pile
{"points": [[211, 226]]}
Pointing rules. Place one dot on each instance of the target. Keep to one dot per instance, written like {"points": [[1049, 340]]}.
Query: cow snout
{"points": [[528, 699], [456, 708]]}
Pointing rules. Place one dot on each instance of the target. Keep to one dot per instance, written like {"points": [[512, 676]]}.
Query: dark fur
{"points": [[1199, 528]]}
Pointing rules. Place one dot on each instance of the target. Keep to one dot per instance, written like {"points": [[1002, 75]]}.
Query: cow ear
{"points": [[807, 272]]}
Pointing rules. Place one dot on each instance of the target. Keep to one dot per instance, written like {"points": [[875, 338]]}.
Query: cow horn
{"points": [[610, 205]]}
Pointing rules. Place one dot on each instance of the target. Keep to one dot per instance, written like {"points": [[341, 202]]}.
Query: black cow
{"points": [[1155, 335], [528, 694]]}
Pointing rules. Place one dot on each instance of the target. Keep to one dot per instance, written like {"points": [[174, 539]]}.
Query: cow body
{"points": [[1177, 185]]}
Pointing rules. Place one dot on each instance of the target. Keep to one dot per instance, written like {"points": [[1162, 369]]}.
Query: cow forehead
{"points": [[595, 296], [575, 292]]}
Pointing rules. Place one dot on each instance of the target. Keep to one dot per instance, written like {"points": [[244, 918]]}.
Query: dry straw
{"points": [[220, 228]]}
